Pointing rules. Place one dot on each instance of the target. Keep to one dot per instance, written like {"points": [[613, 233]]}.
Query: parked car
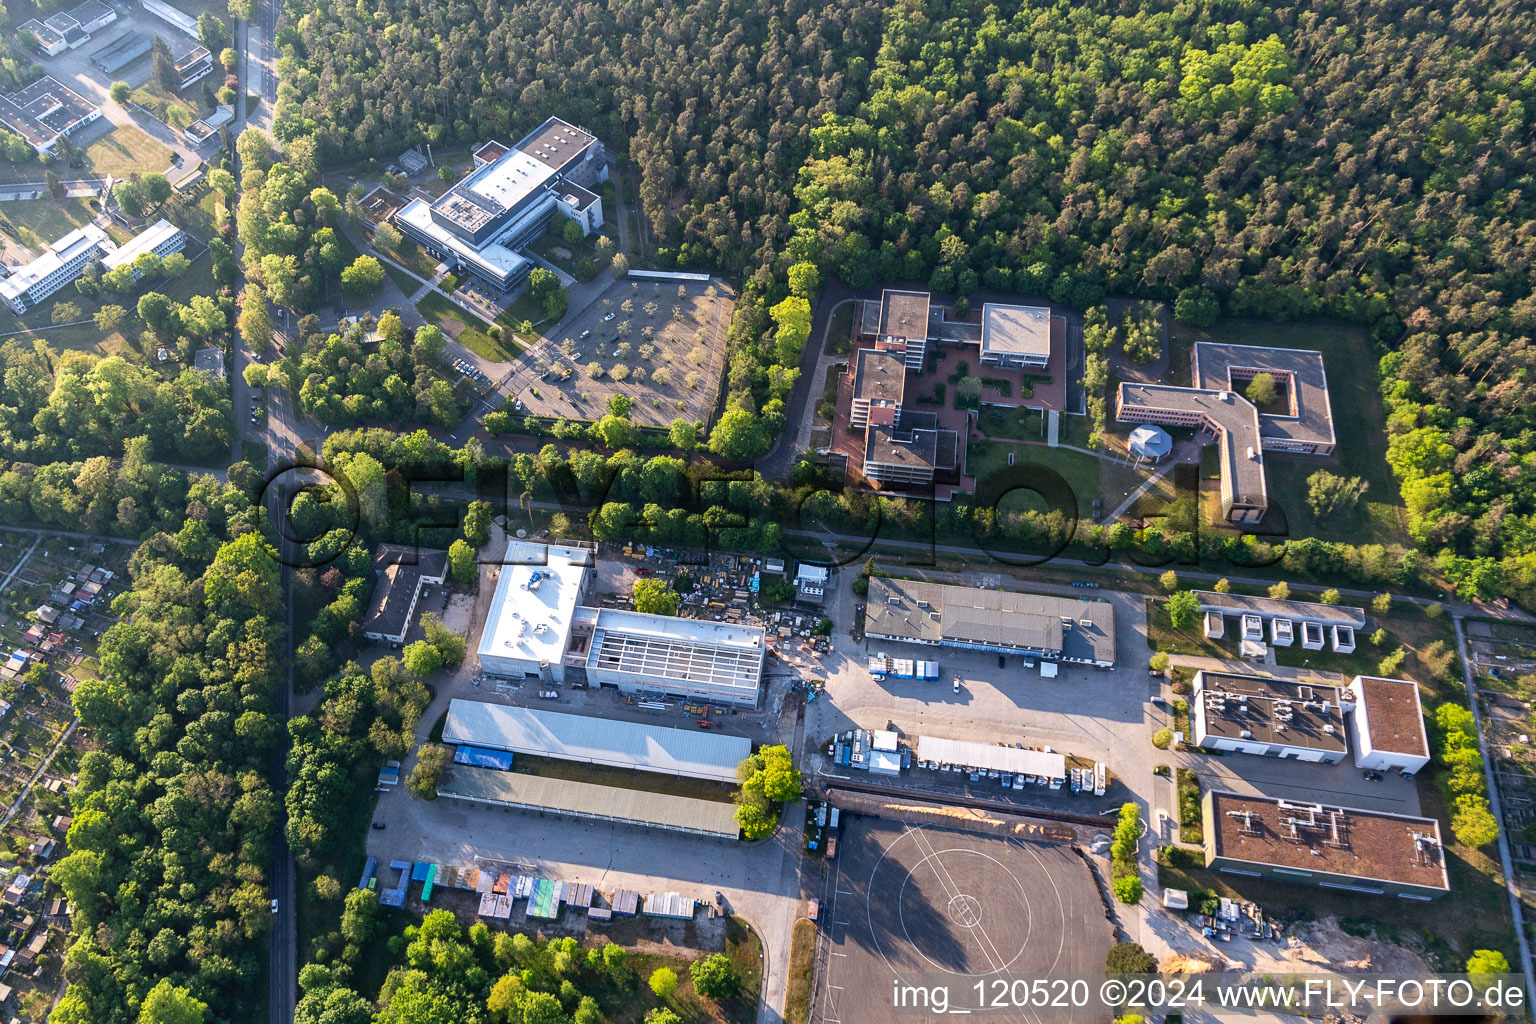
{"points": [[585, 335], [378, 824], [549, 694], [609, 317], [274, 906], [1002, 662], [705, 723]]}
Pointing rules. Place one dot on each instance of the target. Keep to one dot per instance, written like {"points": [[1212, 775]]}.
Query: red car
{"points": [[642, 572], [704, 723]]}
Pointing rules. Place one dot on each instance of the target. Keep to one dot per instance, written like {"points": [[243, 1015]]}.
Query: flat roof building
{"points": [[122, 51], [1242, 432], [1271, 717], [1332, 847], [528, 627], [159, 239], [60, 263], [490, 787], [508, 199], [920, 455], [45, 110], [1274, 608], [1017, 336], [990, 756], [1059, 628], [693, 753], [193, 63], [399, 574], [698, 659], [879, 382], [1389, 725]]}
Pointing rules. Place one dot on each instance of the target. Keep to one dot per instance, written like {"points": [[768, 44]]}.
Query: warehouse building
{"points": [[694, 659], [528, 627], [1388, 725], [638, 746], [508, 200], [1270, 717], [936, 614], [489, 787], [1332, 847]]}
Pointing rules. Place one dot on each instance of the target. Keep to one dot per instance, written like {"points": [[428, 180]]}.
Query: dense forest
{"points": [[173, 814], [1367, 161]]}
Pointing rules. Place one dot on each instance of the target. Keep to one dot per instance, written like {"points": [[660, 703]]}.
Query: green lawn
{"points": [[468, 330], [840, 330], [1089, 476], [123, 150], [176, 111], [40, 222], [410, 256], [405, 282], [995, 421]]}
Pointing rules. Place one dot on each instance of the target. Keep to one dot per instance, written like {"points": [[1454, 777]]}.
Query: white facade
{"points": [[529, 624], [1388, 725], [1343, 640], [161, 238], [63, 261], [1281, 632]]}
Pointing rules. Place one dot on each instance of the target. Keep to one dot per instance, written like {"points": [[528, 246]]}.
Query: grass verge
{"points": [[802, 958]]}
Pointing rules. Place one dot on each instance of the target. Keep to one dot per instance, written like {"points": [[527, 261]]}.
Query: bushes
{"points": [[1461, 761], [1122, 850], [1191, 828]]}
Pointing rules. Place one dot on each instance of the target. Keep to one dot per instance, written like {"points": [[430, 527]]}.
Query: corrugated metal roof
{"points": [[988, 755], [691, 752], [583, 798]]}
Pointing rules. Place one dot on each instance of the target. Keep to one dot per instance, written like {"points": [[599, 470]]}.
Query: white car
{"points": [[274, 906], [609, 317]]}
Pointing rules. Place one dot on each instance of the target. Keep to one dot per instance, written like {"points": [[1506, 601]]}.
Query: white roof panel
{"points": [[988, 755], [530, 615], [638, 745]]}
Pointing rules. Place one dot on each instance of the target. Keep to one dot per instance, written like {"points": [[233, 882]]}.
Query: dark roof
{"points": [[879, 376], [491, 150], [904, 314], [936, 613], [1333, 840], [401, 571], [1284, 712], [1394, 714], [556, 143]]}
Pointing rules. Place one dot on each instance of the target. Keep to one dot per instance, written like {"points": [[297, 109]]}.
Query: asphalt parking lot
{"points": [[919, 905]]}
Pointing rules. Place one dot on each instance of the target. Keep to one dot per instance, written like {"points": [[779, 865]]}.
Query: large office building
{"points": [[508, 199], [528, 627], [1332, 847], [67, 258], [696, 659], [936, 614], [638, 746], [1302, 721], [60, 263], [1243, 433], [44, 111]]}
